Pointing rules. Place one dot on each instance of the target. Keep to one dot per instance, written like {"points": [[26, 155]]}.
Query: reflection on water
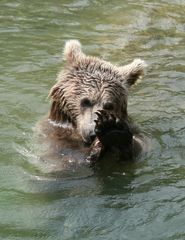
{"points": [[142, 200]]}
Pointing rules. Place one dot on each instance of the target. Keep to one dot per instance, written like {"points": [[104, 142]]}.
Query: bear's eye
{"points": [[86, 103], [108, 106]]}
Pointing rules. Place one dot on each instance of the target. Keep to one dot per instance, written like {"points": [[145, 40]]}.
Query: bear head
{"points": [[88, 84]]}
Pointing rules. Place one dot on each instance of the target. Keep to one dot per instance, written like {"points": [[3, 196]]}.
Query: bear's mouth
{"points": [[88, 141]]}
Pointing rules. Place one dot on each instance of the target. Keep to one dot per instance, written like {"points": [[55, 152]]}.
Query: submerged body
{"points": [[122, 142]]}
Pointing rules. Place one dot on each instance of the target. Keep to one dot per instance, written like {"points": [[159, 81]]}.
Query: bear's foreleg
{"points": [[114, 135]]}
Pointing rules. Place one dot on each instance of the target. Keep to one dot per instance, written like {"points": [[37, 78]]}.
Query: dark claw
{"points": [[96, 121], [98, 113], [100, 116]]}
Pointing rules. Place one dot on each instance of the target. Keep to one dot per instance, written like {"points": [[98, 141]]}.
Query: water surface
{"points": [[143, 200]]}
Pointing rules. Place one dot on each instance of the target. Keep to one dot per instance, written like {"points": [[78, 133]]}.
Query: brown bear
{"points": [[88, 115]]}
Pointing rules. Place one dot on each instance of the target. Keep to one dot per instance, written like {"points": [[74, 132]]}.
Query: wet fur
{"points": [[69, 125]]}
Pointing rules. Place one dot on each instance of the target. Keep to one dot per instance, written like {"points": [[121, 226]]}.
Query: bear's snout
{"points": [[88, 134], [87, 126]]}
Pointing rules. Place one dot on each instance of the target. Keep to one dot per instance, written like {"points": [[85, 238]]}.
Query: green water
{"points": [[144, 200]]}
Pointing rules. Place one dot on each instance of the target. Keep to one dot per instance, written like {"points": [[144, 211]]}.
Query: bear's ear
{"points": [[133, 71], [72, 51]]}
